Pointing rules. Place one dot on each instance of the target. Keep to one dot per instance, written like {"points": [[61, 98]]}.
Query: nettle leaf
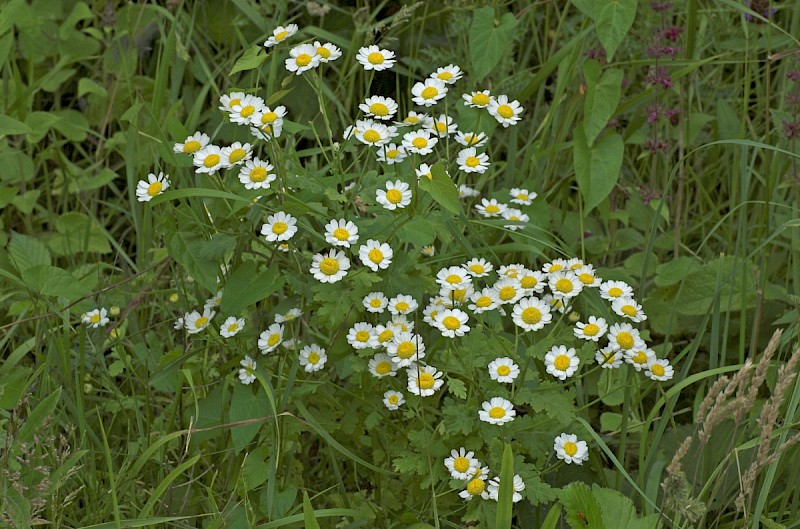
{"points": [[442, 188], [250, 59], [582, 508], [27, 252], [246, 287], [613, 19], [53, 281], [597, 168], [618, 510], [603, 90], [489, 42]]}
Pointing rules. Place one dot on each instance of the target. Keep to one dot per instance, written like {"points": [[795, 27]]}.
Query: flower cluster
{"points": [[464, 467]]}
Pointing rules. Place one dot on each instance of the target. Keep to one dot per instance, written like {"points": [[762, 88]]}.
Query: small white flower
{"points": [[531, 281], [402, 304], [192, 144], [378, 107], [231, 327], [391, 153], [565, 284], [442, 126], [242, 112], [267, 123], [508, 290], [419, 142], [178, 325], [531, 314], [623, 336], [313, 358], [503, 370], [517, 216], [279, 227], [461, 464], [256, 174], [381, 365], [236, 154], [208, 159], [424, 380], [480, 99], [413, 118], [406, 348], [612, 290], [428, 251], [556, 265], [229, 100], [362, 336], [640, 358], [397, 195], [374, 58], [497, 410], [393, 399], [196, 322], [452, 322], [561, 362], [375, 255], [214, 301], [424, 170], [247, 372], [375, 302], [592, 330], [478, 267], [292, 314], [568, 448], [270, 339], [96, 318], [373, 133], [327, 52], [280, 34], [490, 208], [464, 191], [148, 189], [470, 160], [330, 267], [659, 369], [302, 58], [428, 92], [506, 113], [471, 139], [484, 300], [341, 233], [628, 308], [453, 277], [588, 276], [494, 488], [608, 357], [448, 74], [520, 196]]}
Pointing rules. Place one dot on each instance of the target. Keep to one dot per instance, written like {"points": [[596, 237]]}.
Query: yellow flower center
{"points": [[505, 111], [329, 266], [419, 143], [472, 161], [375, 58], [406, 350], [191, 146], [562, 362], [441, 127], [273, 339], [430, 92], [555, 268], [497, 412], [615, 292], [453, 279], [372, 136], [393, 399], [279, 228], [362, 336], [258, 174], [402, 306], [154, 188], [445, 76], [95, 318], [522, 196], [247, 111], [268, 117], [657, 370], [313, 358], [341, 234], [375, 302], [564, 285], [640, 357], [426, 381], [304, 59], [237, 155], [375, 255], [575, 266], [480, 99], [629, 310], [491, 208], [476, 487], [379, 109], [451, 323], [528, 282], [531, 316], [411, 120], [211, 160], [586, 278], [461, 464], [280, 36], [201, 321], [570, 448], [503, 371], [483, 301], [392, 154], [458, 294], [323, 52], [386, 335], [590, 329], [477, 268], [232, 327], [625, 340], [233, 102], [383, 367], [507, 293], [394, 196]]}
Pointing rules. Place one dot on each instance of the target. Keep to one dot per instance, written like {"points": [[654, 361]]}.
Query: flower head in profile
{"points": [[448, 74], [247, 373], [480, 99], [379, 107], [280, 34], [231, 327], [192, 144], [494, 488], [327, 52], [147, 190], [270, 339]]}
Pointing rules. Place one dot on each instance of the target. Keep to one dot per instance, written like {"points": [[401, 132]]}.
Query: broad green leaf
{"points": [[725, 280], [597, 168], [77, 233], [583, 510], [618, 510], [37, 417], [488, 43], [417, 231], [187, 249], [611, 386], [505, 495], [250, 59], [53, 281], [308, 513], [246, 287], [585, 6], [613, 19], [9, 126], [27, 252], [244, 406], [12, 386], [675, 271], [72, 124], [442, 188], [602, 97]]}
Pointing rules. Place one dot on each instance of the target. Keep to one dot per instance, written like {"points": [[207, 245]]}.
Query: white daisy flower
{"points": [[214, 301], [397, 195], [327, 52], [242, 112], [623, 336], [290, 315], [659, 369], [424, 380], [478, 267], [570, 450], [374, 58], [592, 330], [362, 336], [402, 304], [448, 74], [452, 322], [628, 308], [412, 118], [490, 208], [520, 196], [575, 263], [208, 159], [464, 191], [497, 410], [227, 101], [373, 133], [556, 303], [608, 357], [503, 370], [406, 348], [461, 464], [391, 153], [385, 334], [453, 277], [475, 487], [148, 189], [441, 126], [330, 267], [192, 144], [381, 365], [480, 99], [256, 174], [428, 92], [401, 323], [231, 327], [178, 325], [516, 216], [419, 142], [268, 123], [313, 358], [375, 255], [393, 399], [196, 322], [279, 227], [471, 139], [556, 265], [236, 154], [379, 107], [470, 161], [341, 233], [494, 488], [484, 300], [588, 276], [375, 302], [424, 170], [508, 290], [96, 318], [270, 339], [565, 284], [640, 358], [428, 251], [280, 34], [612, 290], [504, 111], [302, 58], [531, 281], [531, 314], [561, 362], [456, 295], [247, 372]]}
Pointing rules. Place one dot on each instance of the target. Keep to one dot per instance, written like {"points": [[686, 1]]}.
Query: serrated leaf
{"points": [[53, 281], [457, 388], [442, 188], [538, 492], [250, 59], [488, 43], [583, 511], [247, 287], [603, 90], [613, 19], [458, 418], [27, 252], [618, 511], [597, 168]]}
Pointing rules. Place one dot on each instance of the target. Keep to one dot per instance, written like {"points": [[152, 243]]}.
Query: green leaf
{"points": [[442, 188], [308, 513], [250, 59], [597, 168], [505, 495], [618, 510], [186, 248], [9, 126], [583, 511], [166, 196], [488, 43], [611, 386], [585, 6], [53, 281], [38, 416], [725, 280], [538, 492], [457, 388], [417, 231], [245, 405], [613, 19], [12, 385], [552, 517], [246, 287], [72, 124], [675, 271], [602, 97], [77, 233], [27, 252]]}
